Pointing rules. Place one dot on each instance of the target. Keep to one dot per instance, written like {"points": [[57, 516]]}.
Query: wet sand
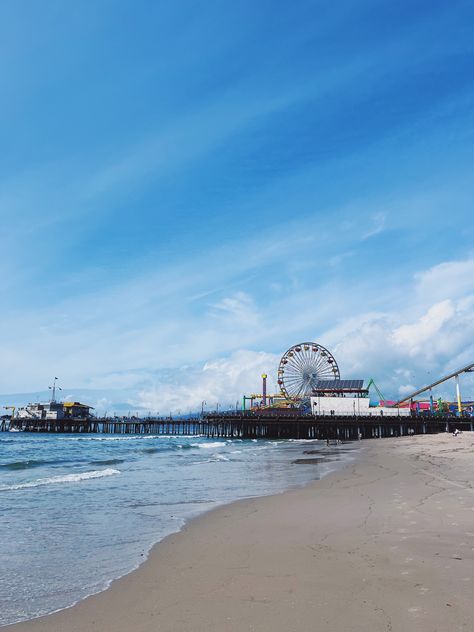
{"points": [[387, 544]]}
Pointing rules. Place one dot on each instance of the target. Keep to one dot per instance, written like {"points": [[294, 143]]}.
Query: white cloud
{"points": [[222, 381], [414, 346], [447, 279], [414, 337], [378, 222], [237, 310], [406, 389]]}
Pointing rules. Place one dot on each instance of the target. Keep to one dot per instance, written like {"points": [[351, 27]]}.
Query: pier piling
{"points": [[251, 425]]}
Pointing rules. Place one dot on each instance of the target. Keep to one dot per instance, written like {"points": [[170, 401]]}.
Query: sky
{"points": [[188, 189]]}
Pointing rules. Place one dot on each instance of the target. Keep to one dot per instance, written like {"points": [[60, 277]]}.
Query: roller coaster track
{"points": [[467, 369]]}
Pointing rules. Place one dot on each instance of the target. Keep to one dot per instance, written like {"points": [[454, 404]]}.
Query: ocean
{"points": [[78, 511]]}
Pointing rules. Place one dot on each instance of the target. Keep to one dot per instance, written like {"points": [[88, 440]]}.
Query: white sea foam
{"points": [[66, 478], [213, 444], [126, 438], [219, 457]]}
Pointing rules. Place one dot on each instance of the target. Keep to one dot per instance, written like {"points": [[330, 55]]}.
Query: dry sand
{"points": [[385, 544]]}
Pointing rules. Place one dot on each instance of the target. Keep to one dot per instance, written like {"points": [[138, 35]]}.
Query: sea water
{"points": [[77, 511]]}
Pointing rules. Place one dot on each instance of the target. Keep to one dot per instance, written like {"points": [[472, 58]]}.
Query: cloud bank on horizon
{"points": [[186, 192]]}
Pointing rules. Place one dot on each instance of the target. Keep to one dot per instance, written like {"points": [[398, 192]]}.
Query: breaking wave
{"points": [[66, 478], [211, 444]]}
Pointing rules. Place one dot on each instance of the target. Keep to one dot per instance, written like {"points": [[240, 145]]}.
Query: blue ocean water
{"points": [[77, 511]]}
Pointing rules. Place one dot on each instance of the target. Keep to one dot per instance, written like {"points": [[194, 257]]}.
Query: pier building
{"points": [[349, 398], [54, 410]]}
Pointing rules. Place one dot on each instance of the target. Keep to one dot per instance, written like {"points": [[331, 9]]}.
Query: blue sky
{"points": [[188, 189]]}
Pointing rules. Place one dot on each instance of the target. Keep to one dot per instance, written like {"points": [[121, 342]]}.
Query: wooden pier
{"points": [[251, 425]]}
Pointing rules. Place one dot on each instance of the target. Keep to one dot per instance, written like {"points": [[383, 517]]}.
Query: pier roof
{"points": [[338, 385]]}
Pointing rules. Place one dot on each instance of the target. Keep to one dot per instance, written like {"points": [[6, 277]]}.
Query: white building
{"points": [[352, 406]]}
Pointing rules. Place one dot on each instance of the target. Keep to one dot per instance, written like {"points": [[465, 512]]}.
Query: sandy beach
{"points": [[387, 544]]}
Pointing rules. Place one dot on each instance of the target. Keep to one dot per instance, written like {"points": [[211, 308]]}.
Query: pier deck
{"points": [[251, 425]]}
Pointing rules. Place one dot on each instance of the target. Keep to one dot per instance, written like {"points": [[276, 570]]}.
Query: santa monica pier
{"points": [[312, 402]]}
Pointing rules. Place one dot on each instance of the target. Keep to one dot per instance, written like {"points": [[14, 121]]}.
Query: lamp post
{"points": [[203, 403], [53, 388]]}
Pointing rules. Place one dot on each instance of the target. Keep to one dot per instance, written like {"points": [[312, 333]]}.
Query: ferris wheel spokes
{"points": [[302, 366]]}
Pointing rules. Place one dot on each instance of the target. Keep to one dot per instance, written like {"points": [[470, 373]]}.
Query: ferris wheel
{"points": [[302, 366]]}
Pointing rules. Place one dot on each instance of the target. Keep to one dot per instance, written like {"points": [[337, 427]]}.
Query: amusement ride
{"points": [[308, 369], [302, 367]]}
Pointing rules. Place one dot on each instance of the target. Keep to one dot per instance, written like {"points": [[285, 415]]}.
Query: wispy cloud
{"points": [[378, 223]]}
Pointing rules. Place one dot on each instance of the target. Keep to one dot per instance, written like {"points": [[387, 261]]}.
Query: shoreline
{"points": [[328, 461], [236, 567], [344, 463]]}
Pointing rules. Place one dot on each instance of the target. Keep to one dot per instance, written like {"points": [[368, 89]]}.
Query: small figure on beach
{"points": [[456, 432]]}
